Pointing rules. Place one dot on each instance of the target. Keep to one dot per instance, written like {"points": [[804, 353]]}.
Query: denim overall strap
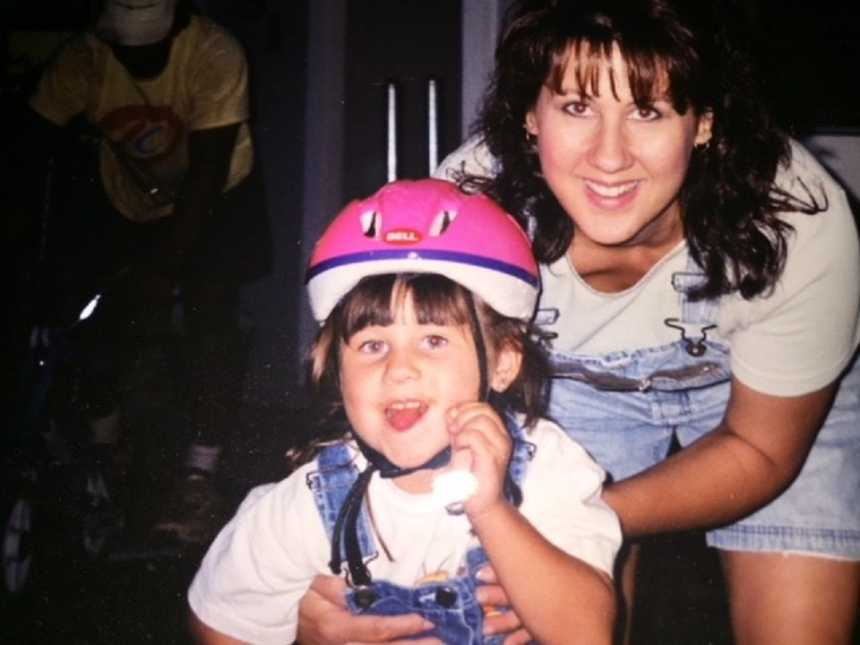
{"points": [[330, 485], [523, 449], [697, 316]]}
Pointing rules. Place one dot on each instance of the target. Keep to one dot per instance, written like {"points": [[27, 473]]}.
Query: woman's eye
{"points": [[646, 113], [577, 108]]}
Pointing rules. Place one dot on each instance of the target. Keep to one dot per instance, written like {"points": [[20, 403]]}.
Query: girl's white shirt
{"points": [[262, 563]]}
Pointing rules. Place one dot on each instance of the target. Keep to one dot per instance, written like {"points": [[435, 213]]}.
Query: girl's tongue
{"points": [[402, 416]]}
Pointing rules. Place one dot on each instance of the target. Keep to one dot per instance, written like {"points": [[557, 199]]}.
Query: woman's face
{"points": [[616, 168]]}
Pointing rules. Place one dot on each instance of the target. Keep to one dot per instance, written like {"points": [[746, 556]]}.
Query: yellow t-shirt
{"points": [[145, 123]]}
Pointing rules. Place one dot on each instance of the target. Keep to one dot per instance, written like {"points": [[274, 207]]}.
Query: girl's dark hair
{"points": [[436, 300], [729, 202]]}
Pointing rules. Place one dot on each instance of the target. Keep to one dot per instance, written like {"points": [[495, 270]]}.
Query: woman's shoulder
{"points": [[471, 158], [804, 178]]}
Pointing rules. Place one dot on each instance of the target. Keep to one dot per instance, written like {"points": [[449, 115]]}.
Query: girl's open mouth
{"points": [[402, 415]]}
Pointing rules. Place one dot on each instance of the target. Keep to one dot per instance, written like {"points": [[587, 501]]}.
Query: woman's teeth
{"points": [[615, 190]]}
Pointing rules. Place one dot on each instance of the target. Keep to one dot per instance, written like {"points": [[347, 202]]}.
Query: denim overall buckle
{"points": [[695, 347]]}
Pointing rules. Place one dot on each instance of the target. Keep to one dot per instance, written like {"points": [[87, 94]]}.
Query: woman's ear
{"points": [[506, 369], [705, 128], [530, 125]]}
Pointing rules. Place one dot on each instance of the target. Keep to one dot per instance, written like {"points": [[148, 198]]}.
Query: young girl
{"points": [[425, 295]]}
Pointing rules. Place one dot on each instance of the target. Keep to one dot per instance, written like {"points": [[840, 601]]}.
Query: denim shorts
{"points": [[625, 409]]}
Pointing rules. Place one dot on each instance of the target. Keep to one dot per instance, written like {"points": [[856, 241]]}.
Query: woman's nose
{"points": [[609, 151]]}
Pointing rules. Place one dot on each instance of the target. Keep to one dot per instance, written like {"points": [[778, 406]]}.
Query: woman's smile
{"points": [[614, 196]]}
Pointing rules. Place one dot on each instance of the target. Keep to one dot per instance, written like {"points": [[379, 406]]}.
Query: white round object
{"points": [[454, 487]]}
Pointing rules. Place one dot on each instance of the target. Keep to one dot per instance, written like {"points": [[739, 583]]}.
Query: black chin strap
{"points": [[346, 525]]}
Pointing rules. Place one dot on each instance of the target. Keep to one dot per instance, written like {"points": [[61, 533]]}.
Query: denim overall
{"points": [[450, 604], [625, 407]]}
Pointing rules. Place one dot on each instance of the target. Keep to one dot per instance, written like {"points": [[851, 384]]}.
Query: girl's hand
{"points": [[325, 620], [481, 444]]}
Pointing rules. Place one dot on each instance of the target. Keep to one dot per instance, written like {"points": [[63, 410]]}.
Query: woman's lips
{"points": [[611, 195], [402, 415]]}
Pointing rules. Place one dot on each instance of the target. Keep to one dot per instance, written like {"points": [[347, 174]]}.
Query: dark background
{"points": [[811, 57]]}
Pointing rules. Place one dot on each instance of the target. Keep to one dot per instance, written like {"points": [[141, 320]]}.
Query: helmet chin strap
{"points": [[346, 525]]}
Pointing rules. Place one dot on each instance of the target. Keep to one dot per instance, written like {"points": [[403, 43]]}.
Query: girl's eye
{"points": [[435, 341], [577, 108], [371, 347]]}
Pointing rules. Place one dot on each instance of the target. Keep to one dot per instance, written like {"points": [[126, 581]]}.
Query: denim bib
{"points": [[625, 406], [450, 604]]}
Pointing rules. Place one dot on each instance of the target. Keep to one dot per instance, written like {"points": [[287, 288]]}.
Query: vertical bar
{"points": [[392, 131], [432, 127]]}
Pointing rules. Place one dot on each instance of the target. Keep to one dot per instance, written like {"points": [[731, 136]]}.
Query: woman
{"points": [[700, 278]]}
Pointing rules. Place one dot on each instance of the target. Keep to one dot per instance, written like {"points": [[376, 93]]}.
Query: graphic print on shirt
{"points": [[146, 143], [145, 133]]}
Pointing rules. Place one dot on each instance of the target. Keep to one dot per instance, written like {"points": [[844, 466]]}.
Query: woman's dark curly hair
{"points": [[729, 202], [436, 300]]}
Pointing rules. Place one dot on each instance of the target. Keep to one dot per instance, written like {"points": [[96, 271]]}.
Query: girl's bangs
{"points": [[376, 301]]}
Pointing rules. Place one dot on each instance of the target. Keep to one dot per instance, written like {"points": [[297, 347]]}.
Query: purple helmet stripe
{"points": [[425, 254]]}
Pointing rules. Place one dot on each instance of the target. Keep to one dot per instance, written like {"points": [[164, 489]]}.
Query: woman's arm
{"points": [[559, 598], [743, 464]]}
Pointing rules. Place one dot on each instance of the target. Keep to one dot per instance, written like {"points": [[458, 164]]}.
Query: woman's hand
{"points": [[324, 619], [493, 599]]}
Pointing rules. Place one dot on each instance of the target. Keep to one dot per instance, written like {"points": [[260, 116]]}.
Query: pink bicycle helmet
{"points": [[426, 226]]}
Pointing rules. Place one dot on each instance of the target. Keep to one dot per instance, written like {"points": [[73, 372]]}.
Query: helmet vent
{"points": [[371, 224], [441, 222]]}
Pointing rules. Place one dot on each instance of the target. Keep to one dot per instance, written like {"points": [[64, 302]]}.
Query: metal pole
{"points": [[432, 127], [392, 131]]}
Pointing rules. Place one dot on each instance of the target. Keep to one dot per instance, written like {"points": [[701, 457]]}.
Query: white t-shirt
{"points": [[792, 341], [262, 563], [204, 85]]}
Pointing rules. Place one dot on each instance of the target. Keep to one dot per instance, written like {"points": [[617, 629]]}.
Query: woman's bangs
{"points": [[648, 73]]}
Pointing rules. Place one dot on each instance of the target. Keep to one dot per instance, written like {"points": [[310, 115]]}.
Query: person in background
{"points": [[177, 209], [700, 281]]}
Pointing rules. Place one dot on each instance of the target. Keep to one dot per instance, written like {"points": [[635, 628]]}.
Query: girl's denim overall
{"points": [[625, 408], [451, 604]]}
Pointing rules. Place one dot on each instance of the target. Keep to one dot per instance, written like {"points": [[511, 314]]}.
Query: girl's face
{"points": [[399, 380], [616, 168]]}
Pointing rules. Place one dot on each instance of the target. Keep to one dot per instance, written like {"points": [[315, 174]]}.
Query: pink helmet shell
{"points": [[426, 226]]}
